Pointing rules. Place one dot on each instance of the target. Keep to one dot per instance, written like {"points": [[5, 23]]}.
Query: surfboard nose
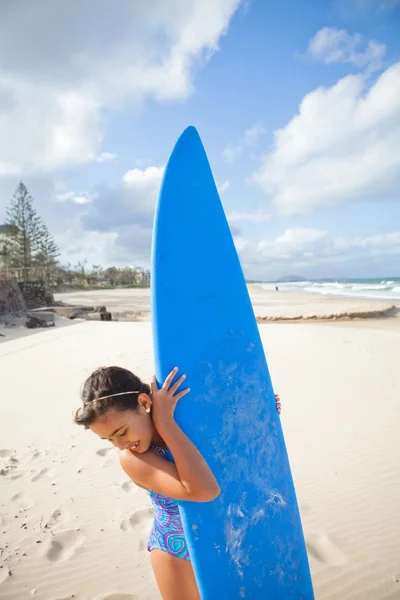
{"points": [[189, 132]]}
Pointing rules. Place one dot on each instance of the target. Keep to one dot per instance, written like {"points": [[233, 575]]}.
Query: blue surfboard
{"points": [[248, 543]]}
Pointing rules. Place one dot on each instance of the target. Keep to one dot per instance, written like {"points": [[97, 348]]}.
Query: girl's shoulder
{"points": [[143, 467], [153, 472]]}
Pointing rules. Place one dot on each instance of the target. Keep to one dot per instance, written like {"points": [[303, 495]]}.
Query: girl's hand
{"points": [[166, 398], [278, 404]]}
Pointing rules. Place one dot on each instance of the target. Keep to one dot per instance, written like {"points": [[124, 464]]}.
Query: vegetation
{"points": [[29, 251]]}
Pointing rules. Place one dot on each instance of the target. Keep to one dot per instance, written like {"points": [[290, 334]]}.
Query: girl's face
{"points": [[130, 429]]}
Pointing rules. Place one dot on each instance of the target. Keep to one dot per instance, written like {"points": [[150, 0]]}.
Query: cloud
{"points": [[341, 147], [293, 243], [250, 137], [331, 45], [115, 225], [91, 58], [63, 195], [77, 245], [249, 217], [223, 187], [130, 203], [146, 179], [82, 199], [106, 157], [314, 249]]}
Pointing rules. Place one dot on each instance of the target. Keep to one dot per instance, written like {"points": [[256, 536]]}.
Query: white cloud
{"points": [[108, 236], [250, 137], [46, 128], [72, 64], [316, 253], [223, 187], [313, 247], [106, 157], [63, 195], [77, 245], [82, 199], [294, 242], [133, 202], [249, 217], [331, 45], [147, 178], [342, 146]]}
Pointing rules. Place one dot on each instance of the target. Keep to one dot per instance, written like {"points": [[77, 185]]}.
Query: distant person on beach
{"points": [[139, 419]]}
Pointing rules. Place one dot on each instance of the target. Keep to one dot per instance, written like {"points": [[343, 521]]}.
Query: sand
{"points": [[73, 525], [134, 304]]}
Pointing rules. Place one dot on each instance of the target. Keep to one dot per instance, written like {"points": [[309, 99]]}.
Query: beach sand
{"points": [[134, 304], [73, 526]]}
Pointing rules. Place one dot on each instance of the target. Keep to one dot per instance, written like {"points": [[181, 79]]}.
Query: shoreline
{"points": [[269, 306], [130, 305]]}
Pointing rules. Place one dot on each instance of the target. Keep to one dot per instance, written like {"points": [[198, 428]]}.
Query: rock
{"points": [[33, 322]]}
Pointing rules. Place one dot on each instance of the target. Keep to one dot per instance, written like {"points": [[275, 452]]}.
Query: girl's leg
{"points": [[174, 576]]}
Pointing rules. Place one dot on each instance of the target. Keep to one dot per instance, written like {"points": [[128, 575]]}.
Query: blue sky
{"points": [[298, 105]]}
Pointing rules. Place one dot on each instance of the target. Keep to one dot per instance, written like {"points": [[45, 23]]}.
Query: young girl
{"points": [[139, 420]]}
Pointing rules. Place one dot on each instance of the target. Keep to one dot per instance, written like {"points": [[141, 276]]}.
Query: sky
{"points": [[297, 104]]}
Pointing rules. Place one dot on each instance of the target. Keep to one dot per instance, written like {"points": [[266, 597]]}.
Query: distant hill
{"points": [[290, 278]]}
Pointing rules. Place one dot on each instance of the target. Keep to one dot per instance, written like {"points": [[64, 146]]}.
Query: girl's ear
{"points": [[144, 401]]}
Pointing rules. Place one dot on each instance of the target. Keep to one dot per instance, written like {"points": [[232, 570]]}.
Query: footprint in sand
{"points": [[5, 574], [127, 486], [320, 547], [56, 516], [4, 452], [40, 475], [140, 519], [17, 496], [103, 451], [64, 544], [23, 500]]}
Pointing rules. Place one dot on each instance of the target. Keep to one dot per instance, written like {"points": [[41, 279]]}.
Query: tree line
{"points": [[27, 244], [27, 241]]}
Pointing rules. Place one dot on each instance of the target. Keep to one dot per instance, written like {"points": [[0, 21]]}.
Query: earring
{"points": [[148, 410]]}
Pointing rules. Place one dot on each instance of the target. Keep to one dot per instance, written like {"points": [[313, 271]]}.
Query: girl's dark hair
{"points": [[102, 384]]}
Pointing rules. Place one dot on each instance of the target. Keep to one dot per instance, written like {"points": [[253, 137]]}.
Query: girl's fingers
{"points": [[153, 384], [181, 394], [169, 378], [177, 384]]}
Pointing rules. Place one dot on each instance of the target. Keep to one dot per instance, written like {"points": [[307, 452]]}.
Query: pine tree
{"points": [[46, 250], [29, 227], [7, 244]]}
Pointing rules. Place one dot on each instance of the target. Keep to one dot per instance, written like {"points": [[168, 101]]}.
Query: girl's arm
{"points": [[190, 478]]}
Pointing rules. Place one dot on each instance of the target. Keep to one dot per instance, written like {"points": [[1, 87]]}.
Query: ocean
{"points": [[380, 289]]}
